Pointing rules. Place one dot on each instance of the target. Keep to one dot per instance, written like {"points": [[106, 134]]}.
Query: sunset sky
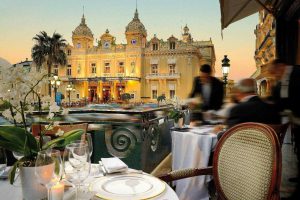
{"points": [[20, 20]]}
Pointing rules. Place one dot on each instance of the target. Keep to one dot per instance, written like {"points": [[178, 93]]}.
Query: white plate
{"points": [[128, 187]]}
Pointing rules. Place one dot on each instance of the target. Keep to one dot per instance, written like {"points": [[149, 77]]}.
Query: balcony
{"points": [[120, 74], [163, 76], [106, 74]]}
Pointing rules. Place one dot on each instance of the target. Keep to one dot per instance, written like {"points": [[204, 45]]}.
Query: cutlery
{"points": [[102, 168]]}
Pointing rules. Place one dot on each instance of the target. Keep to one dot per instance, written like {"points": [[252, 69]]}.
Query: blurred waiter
{"points": [[209, 88], [286, 96]]}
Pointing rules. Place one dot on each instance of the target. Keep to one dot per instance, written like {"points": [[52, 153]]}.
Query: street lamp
{"points": [[225, 71], [69, 89], [55, 82]]}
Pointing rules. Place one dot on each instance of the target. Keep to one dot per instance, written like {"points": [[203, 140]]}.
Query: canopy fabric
{"points": [[234, 10]]}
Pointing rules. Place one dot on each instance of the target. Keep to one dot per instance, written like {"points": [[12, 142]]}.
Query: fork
{"points": [[102, 168]]}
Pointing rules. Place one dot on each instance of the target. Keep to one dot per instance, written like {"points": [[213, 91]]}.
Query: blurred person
{"points": [[209, 88], [226, 107], [286, 96], [250, 107]]}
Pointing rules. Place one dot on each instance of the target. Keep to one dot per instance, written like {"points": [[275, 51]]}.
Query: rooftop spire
{"points": [[83, 19], [136, 14]]}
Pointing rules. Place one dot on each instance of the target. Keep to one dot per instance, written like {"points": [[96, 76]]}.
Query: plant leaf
{"points": [[65, 139], [17, 139]]}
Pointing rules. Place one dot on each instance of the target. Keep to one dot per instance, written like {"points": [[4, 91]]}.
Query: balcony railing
{"points": [[120, 74], [106, 74], [163, 76]]}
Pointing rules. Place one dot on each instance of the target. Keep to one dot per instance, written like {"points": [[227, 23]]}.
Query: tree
{"points": [[48, 51]]}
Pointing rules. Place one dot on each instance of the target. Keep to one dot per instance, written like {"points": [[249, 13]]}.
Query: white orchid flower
{"points": [[59, 132], [65, 111], [50, 115], [54, 108]]}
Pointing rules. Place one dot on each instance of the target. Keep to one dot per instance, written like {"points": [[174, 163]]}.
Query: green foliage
{"points": [[125, 97], [4, 105], [176, 114], [18, 140], [161, 98]]}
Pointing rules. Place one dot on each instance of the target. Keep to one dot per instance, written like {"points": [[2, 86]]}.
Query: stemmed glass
{"points": [[48, 168], [88, 141], [77, 164], [3, 160]]}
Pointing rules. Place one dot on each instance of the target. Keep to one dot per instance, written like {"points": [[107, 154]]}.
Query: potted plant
{"points": [[126, 97], [177, 115], [19, 91], [176, 112]]}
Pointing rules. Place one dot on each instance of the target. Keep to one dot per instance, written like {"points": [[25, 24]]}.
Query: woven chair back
{"points": [[247, 163]]}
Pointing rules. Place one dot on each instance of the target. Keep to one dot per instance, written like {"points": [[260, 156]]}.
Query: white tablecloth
{"points": [[191, 149], [12, 192]]}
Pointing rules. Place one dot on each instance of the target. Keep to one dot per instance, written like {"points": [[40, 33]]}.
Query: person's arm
{"points": [[195, 88]]}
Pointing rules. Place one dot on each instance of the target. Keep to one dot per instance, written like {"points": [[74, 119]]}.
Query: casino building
{"points": [[144, 68]]}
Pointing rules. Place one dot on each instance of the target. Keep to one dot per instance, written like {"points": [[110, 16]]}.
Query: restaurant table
{"points": [[191, 148], [12, 192]]}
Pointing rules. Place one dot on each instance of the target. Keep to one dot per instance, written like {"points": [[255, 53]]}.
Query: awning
{"points": [[234, 10]]}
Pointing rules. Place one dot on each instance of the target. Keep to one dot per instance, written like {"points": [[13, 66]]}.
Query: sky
{"points": [[21, 20]]}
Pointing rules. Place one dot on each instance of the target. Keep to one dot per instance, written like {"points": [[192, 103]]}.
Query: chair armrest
{"points": [[185, 173]]}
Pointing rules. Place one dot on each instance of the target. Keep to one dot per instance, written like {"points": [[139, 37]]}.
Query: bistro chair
{"points": [[246, 164]]}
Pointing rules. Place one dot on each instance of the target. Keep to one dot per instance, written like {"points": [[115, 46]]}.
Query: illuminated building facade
{"points": [[145, 69]]}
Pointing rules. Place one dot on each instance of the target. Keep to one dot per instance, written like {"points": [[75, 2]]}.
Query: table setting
{"points": [[111, 178]]}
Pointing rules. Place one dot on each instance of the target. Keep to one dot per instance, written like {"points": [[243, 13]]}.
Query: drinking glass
{"points": [[3, 160], [87, 139], [77, 164], [48, 168]]}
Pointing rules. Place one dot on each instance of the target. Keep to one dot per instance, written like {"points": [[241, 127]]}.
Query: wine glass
{"points": [[3, 161], [87, 139], [77, 164], [48, 168]]}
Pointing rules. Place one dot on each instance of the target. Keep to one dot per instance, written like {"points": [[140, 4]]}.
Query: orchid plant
{"points": [[176, 113], [19, 88]]}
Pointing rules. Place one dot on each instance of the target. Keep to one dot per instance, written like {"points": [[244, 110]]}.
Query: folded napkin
{"points": [[113, 165]]}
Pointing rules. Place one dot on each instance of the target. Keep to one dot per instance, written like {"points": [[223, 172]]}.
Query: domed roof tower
{"points": [[82, 36], [135, 32]]}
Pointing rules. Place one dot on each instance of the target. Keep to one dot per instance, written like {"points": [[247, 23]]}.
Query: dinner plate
{"points": [[128, 187]]}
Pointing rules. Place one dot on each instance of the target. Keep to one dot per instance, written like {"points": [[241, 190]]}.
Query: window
{"points": [[77, 95], [172, 68], [154, 46], [154, 94], [94, 69], [172, 93], [121, 67], [69, 70], [78, 45], [69, 52], [106, 67], [172, 45], [55, 69], [154, 69]]}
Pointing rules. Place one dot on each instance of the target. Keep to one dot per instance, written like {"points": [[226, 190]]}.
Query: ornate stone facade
{"points": [[145, 69], [265, 51]]}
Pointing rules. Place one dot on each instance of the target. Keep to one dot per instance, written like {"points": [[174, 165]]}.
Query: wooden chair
{"points": [[280, 130], [36, 128], [246, 165]]}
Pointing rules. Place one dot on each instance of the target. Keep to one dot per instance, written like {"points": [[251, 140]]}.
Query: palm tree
{"points": [[48, 51]]}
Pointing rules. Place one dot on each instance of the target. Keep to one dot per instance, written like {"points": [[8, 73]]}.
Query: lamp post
{"points": [[69, 89], [225, 71], [55, 82]]}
